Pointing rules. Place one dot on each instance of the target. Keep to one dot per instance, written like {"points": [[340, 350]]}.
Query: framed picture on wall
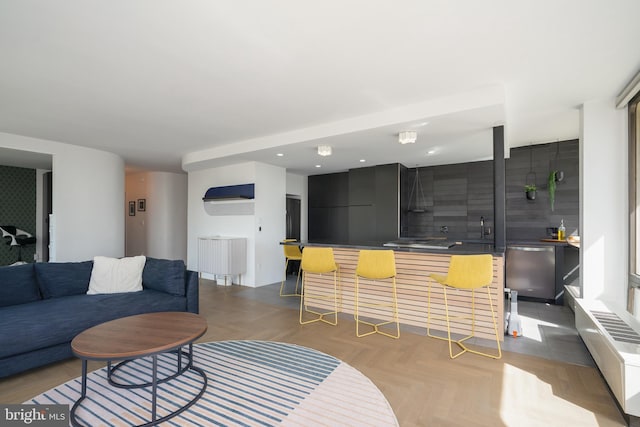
{"points": [[132, 208], [142, 205]]}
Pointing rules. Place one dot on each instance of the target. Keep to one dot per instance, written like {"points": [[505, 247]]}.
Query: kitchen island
{"points": [[413, 267]]}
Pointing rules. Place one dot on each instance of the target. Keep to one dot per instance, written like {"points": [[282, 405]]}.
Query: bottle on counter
{"points": [[562, 232]]}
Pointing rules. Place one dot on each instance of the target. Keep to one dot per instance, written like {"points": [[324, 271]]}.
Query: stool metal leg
{"points": [[295, 292], [304, 296]]}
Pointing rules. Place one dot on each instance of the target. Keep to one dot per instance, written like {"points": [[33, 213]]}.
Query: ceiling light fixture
{"points": [[318, 166], [407, 137], [280, 154], [324, 150]]}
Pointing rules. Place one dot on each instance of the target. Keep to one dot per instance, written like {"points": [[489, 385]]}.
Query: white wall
{"points": [[88, 195], [604, 201], [270, 226], [167, 215], [263, 230], [297, 185], [201, 224]]}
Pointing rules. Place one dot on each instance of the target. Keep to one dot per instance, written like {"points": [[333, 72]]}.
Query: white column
{"points": [[603, 201]]}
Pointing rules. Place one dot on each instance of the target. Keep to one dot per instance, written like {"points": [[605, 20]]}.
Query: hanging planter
{"points": [[555, 176], [552, 188], [530, 191], [530, 187]]}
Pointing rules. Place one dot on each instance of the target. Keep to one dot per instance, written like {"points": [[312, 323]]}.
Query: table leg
{"points": [[154, 389], [83, 394], [84, 377], [154, 395]]}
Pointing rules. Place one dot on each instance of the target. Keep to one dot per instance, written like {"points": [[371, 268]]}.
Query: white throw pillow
{"points": [[113, 275]]}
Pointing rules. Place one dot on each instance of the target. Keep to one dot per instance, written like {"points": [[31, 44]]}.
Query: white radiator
{"points": [[225, 256], [612, 336]]}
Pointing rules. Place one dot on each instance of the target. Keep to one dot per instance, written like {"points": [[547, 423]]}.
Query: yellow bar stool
{"points": [[291, 253], [466, 273], [319, 295], [379, 268]]}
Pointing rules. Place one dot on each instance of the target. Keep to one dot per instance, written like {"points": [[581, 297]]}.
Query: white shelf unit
{"points": [[222, 256]]}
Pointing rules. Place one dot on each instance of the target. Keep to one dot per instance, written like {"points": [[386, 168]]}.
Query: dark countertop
{"points": [[457, 249]]}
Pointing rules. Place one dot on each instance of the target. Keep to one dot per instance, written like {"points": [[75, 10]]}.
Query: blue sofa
{"points": [[43, 306]]}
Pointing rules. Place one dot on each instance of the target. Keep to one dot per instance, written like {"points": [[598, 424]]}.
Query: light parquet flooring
{"points": [[424, 386]]}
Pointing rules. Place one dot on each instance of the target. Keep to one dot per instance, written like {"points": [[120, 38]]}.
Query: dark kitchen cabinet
{"points": [[328, 207], [387, 202], [374, 210], [362, 190], [329, 224], [329, 190], [361, 205]]}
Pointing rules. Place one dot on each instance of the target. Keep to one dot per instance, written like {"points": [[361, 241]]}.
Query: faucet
{"points": [[482, 227]]}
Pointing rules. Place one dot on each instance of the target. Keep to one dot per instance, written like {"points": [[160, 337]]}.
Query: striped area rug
{"points": [[250, 383]]}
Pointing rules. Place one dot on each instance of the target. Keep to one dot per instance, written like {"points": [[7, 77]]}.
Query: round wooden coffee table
{"points": [[134, 337]]}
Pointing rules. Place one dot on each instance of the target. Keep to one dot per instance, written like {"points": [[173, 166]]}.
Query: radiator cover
{"points": [[612, 336]]}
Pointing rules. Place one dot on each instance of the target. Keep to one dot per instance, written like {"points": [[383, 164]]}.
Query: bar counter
{"points": [[413, 267]]}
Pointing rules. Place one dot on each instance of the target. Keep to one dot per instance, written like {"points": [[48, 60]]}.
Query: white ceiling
{"points": [[21, 159], [166, 82]]}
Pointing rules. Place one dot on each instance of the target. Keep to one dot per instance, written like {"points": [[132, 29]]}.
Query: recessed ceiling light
{"points": [[430, 152], [362, 160], [422, 124], [279, 154], [318, 166]]}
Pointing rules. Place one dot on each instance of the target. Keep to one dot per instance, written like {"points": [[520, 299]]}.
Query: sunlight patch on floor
{"points": [[531, 327], [519, 395]]}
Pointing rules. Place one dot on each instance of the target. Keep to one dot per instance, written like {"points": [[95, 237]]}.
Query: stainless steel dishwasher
{"points": [[531, 271]]}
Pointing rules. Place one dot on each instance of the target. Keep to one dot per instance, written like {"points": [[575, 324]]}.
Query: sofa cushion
{"points": [[61, 279], [116, 275], [58, 320], [164, 275], [18, 285]]}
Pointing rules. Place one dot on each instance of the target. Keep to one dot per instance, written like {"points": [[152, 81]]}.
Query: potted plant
{"points": [[552, 188], [530, 190]]}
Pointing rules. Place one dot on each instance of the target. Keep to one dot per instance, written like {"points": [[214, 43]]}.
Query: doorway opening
{"points": [[293, 227], [293, 218]]}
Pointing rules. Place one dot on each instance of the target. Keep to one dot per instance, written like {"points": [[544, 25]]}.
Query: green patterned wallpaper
{"points": [[17, 208]]}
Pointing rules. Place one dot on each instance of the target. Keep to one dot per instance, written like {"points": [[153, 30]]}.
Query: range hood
{"points": [[230, 192]]}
